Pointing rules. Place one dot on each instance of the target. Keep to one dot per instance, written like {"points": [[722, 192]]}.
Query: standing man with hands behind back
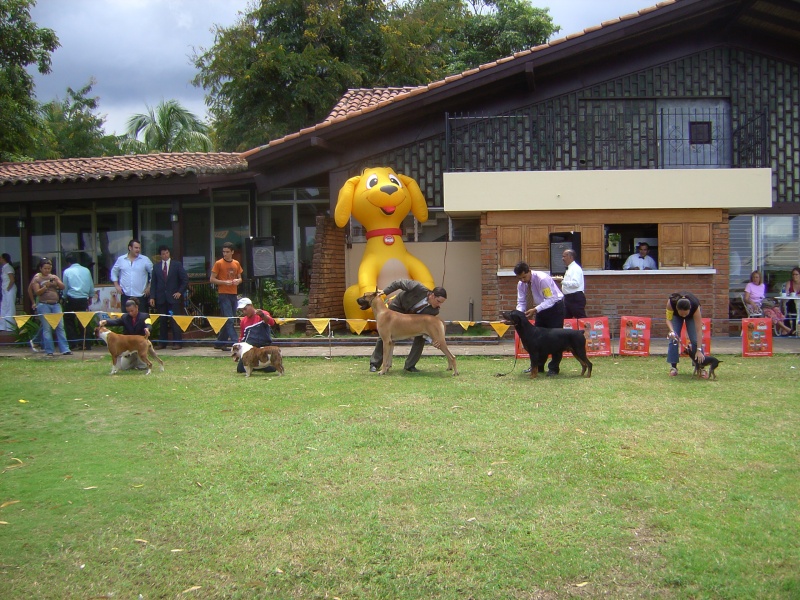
{"points": [[79, 287], [169, 283], [640, 261], [131, 275], [226, 274]]}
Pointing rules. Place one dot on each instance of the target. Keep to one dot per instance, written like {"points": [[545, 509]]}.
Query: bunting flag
{"points": [[217, 323], [182, 321], [499, 327], [114, 315], [54, 319], [153, 318], [466, 324], [357, 325], [282, 321], [21, 320], [85, 318], [320, 324]]}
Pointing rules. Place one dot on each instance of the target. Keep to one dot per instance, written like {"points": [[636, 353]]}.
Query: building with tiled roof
{"points": [[673, 124]]}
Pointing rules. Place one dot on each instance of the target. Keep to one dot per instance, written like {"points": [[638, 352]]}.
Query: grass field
{"points": [[332, 482]]}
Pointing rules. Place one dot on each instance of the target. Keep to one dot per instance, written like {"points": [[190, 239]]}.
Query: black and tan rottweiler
{"points": [[539, 342]]}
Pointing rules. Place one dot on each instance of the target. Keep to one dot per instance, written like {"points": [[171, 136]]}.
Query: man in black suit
{"points": [[167, 287]]}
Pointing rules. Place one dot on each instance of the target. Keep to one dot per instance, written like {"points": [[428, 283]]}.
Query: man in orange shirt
{"points": [[226, 274]]}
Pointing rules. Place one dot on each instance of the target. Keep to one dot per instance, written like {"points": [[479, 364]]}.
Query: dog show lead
{"points": [[413, 298], [540, 299], [683, 309]]}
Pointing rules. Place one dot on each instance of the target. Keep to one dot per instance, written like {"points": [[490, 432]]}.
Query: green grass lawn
{"points": [[333, 482]]}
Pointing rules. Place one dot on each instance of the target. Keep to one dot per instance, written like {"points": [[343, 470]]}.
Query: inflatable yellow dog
{"points": [[380, 199]]}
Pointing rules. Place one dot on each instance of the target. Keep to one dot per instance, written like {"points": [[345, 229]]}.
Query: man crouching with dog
{"points": [[131, 353], [413, 298], [254, 351]]}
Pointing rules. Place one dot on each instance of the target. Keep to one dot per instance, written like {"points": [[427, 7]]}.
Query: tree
{"points": [[22, 43], [71, 128], [169, 127], [285, 63]]}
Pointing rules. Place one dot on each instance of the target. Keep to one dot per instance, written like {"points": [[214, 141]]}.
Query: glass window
{"points": [[231, 224], [622, 241], [155, 229], [435, 229], [196, 235], [741, 252], [114, 233], [10, 243], [43, 242], [779, 248]]}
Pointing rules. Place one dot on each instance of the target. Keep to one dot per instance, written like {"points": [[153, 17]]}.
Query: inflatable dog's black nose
{"points": [[389, 189]]}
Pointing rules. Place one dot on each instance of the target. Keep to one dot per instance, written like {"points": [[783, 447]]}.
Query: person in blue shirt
{"points": [[79, 287]]}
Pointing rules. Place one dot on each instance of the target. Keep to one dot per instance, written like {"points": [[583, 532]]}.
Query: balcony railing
{"points": [[636, 135]]}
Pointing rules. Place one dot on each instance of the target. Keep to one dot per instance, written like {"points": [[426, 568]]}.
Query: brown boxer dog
{"points": [[121, 346], [257, 358]]}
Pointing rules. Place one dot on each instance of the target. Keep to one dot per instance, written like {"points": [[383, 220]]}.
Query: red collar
{"points": [[389, 231]]}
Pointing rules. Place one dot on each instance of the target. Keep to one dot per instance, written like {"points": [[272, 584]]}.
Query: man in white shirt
{"points": [[131, 276], [572, 287], [640, 261]]}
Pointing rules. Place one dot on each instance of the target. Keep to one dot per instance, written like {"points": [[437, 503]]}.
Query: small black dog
{"points": [[539, 342], [710, 362]]}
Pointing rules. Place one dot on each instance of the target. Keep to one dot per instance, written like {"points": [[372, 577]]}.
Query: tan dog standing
{"points": [[393, 326], [257, 358], [119, 346]]}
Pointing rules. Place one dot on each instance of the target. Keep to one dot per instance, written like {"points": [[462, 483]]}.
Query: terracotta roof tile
{"points": [[121, 167], [355, 100]]}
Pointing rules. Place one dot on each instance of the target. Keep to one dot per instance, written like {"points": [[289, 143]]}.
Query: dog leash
{"points": [[514, 366]]}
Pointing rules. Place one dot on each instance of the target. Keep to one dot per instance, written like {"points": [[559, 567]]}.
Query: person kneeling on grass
{"points": [[683, 309], [255, 329]]}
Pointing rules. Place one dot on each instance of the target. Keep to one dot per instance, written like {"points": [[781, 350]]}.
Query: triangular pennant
{"points": [[153, 318], [85, 317], [54, 319], [466, 324], [114, 315], [217, 323], [182, 321], [357, 325], [499, 327], [21, 320], [282, 321], [320, 324]]}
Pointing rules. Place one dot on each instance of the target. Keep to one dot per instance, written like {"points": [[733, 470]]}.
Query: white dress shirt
{"points": [[573, 279]]}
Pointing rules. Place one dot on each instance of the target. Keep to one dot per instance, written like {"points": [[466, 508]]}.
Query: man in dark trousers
{"points": [[414, 298], [167, 288]]}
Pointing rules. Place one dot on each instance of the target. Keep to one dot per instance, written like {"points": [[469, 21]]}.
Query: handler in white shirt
{"points": [[572, 286], [640, 261]]}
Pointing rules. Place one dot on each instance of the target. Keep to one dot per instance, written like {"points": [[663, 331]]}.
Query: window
{"points": [[699, 132], [622, 241]]}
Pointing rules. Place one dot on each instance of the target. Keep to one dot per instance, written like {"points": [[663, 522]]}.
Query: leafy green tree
{"points": [[285, 63], [22, 43], [169, 127], [71, 128]]}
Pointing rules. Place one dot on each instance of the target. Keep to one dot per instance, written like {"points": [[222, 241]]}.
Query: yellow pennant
{"points": [[114, 315], [320, 324], [21, 320], [357, 325], [153, 318], [217, 323], [54, 319], [466, 324], [499, 327], [182, 321], [85, 317], [282, 321]]}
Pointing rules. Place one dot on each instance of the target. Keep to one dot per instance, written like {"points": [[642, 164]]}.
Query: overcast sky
{"points": [[139, 51]]}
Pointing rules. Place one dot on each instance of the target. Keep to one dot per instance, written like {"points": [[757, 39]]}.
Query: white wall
{"points": [[456, 266]]}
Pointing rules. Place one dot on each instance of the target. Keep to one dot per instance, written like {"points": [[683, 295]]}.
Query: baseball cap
{"points": [[243, 302]]}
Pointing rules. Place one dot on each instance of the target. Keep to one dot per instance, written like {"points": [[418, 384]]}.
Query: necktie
{"points": [[165, 271], [529, 302]]}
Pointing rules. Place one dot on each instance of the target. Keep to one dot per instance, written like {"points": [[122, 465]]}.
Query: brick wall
{"points": [[616, 295], [328, 272]]}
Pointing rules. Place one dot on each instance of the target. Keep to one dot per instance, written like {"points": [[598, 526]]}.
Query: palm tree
{"points": [[167, 128]]}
